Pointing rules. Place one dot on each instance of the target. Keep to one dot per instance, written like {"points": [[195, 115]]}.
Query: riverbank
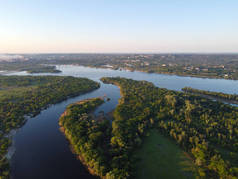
{"points": [[11, 148], [23, 96], [79, 157], [221, 97], [154, 72]]}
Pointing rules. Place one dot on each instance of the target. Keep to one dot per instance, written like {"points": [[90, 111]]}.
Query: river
{"points": [[42, 151]]}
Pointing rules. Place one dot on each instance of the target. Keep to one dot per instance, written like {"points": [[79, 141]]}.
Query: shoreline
{"points": [[160, 73], [11, 148], [79, 157], [218, 99]]}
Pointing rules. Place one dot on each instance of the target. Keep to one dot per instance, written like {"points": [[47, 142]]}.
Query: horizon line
{"points": [[155, 53]]}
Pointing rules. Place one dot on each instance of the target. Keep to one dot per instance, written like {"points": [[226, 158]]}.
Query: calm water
{"points": [[42, 152]]}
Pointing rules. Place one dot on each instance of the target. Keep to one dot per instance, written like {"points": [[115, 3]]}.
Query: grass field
{"points": [[160, 157]]}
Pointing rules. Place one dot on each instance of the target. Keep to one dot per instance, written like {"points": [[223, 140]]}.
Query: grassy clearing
{"points": [[160, 157]]}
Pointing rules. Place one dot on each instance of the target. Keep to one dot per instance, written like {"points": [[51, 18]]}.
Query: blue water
{"points": [[42, 152]]}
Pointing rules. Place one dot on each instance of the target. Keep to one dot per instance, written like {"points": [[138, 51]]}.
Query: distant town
{"points": [[199, 65]]}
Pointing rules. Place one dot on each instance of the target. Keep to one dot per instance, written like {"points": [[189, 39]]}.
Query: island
{"points": [[88, 136], [22, 96], [28, 66], [42, 69]]}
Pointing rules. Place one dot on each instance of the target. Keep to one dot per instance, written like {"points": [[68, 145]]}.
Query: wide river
{"points": [[42, 151]]}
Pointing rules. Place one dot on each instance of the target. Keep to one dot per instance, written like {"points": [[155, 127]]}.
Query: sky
{"points": [[118, 26]]}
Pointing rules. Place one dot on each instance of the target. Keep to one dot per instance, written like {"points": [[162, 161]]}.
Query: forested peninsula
{"points": [[218, 95], [87, 135], [28, 66], [205, 130], [22, 96]]}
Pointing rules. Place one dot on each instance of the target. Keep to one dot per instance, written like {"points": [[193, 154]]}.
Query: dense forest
{"points": [[219, 95], [22, 96], [201, 127]]}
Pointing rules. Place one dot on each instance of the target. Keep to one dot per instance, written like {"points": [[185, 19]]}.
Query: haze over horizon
{"points": [[60, 26]]}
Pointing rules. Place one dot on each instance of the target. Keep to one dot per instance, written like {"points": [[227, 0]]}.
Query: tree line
{"points": [[220, 95]]}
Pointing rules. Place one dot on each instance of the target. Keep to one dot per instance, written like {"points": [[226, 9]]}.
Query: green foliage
{"points": [[230, 97], [29, 66], [88, 137], [28, 95]]}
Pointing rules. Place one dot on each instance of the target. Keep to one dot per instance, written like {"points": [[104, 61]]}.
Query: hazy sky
{"points": [[35, 26]]}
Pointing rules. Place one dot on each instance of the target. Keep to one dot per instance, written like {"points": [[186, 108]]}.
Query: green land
{"points": [[30, 67], [159, 157], [200, 127], [186, 135]]}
